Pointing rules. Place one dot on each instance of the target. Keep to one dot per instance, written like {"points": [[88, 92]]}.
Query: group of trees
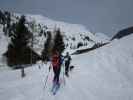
{"points": [[53, 44], [47, 47], [5, 20], [5, 17], [20, 51]]}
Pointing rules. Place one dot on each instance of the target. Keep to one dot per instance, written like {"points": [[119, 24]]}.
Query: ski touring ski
{"points": [[55, 88]]}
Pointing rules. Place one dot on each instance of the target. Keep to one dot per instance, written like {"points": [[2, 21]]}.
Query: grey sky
{"points": [[106, 16]]}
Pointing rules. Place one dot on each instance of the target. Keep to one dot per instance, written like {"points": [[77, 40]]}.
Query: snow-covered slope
{"points": [[73, 33], [51, 24], [103, 74], [106, 73], [3, 46]]}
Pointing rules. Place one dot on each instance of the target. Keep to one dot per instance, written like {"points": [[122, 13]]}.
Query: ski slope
{"points": [[102, 74]]}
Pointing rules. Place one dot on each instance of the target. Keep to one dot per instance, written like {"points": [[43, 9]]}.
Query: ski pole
{"points": [[46, 80], [64, 73]]}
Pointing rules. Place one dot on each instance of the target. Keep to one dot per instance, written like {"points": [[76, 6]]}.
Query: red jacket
{"points": [[55, 61]]}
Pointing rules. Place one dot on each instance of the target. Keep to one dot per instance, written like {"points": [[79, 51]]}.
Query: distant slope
{"points": [[122, 33], [51, 24], [75, 35]]}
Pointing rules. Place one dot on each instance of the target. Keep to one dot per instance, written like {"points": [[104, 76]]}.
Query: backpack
{"points": [[56, 61]]}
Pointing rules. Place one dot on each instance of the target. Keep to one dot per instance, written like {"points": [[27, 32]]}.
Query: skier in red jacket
{"points": [[56, 64]]}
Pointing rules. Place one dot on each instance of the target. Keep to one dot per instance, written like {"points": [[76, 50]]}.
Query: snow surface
{"points": [[3, 46], [66, 27], [102, 74]]}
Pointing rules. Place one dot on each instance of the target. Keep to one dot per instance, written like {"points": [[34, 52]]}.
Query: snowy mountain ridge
{"points": [[75, 35], [51, 24]]}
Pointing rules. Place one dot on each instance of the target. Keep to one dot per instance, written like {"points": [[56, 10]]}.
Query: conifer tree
{"points": [[58, 42], [47, 48], [18, 48]]}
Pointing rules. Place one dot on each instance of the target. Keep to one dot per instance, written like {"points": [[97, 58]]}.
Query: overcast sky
{"points": [[106, 16]]}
